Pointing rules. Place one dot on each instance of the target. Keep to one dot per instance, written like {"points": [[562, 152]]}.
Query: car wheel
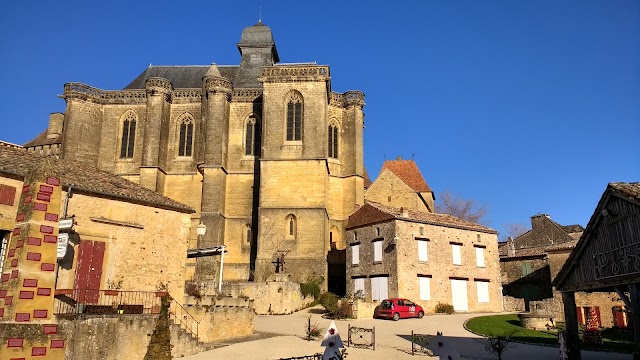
{"points": [[420, 314], [396, 317]]}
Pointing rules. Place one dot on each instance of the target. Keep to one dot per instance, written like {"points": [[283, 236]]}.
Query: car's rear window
{"points": [[386, 304]]}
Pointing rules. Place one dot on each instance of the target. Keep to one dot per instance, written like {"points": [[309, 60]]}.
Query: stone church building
{"points": [[269, 156]]}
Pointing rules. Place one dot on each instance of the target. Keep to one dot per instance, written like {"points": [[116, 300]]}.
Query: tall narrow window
{"points": [[128, 135], [355, 254], [4, 243], [479, 256], [248, 227], [294, 117], [455, 250], [185, 143], [425, 287], [333, 141], [377, 251], [291, 224], [250, 136], [422, 250]]}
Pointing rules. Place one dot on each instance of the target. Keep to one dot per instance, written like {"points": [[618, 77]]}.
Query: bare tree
{"points": [[467, 209], [514, 230]]}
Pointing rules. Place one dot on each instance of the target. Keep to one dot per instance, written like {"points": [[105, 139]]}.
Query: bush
{"points": [[193, 289], [344, 311], [443, 309], [329, 302], [311, 287]]}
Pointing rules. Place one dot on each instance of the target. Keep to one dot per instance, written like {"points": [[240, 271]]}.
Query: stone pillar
{"points": [[571, 321], [215, 128], [355, 103], [634, 294], [159, 92], [82, 124], [28, 282]]}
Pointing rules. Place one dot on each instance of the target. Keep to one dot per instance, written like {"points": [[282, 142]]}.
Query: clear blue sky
{"points": [[527, 106]]}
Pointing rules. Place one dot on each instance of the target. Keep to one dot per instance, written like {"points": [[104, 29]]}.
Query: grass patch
{"points": [[509, 325]]}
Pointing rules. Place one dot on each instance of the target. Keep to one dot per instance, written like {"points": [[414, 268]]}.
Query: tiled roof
{"points": [[408, 172], [524, 252], [564, 246], [87, 179], [629, 189], [372, 212], [576, 228], [41, 139]]}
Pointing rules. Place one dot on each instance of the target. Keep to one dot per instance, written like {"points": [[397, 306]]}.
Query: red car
{"points": [[397, 308]]}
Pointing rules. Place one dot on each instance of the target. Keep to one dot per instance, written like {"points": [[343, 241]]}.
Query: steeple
{"points": [[257, 49]]}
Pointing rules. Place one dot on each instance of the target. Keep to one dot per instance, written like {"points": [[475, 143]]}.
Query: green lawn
{"points": [[509, 325]]}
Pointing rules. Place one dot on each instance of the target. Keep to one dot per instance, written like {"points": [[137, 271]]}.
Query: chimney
{"points": [[55, 125], [404, 213], [511, 248]]}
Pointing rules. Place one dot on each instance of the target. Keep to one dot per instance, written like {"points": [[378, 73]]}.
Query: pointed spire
{"points": [[213, 71]]}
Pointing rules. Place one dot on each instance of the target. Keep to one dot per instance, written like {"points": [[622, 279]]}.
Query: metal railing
{"points": [[106, 302], [362, 338], [183, 318]]}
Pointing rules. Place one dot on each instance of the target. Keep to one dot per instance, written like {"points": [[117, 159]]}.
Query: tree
{"points": [[513, 230], [467, 209]]}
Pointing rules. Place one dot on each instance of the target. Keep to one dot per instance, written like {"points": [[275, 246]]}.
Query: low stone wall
{"points": [[536, 322], [271, 297], [363, 309], [512, 304], [222, 322]]}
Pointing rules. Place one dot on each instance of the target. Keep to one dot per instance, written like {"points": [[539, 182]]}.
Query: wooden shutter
{"points": [[580, 318], [425, 288], [422, 250], [598, 315], [355, 254], [7, 195]]}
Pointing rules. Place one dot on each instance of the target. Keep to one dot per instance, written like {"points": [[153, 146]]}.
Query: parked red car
{"points": [[398, 309]]}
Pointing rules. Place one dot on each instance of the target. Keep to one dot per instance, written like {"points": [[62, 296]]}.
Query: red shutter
{"points": [[7, 195], [598, 315], [579, 312]]}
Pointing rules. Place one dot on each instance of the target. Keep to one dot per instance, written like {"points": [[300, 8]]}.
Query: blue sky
{"points": [[526, 106]]}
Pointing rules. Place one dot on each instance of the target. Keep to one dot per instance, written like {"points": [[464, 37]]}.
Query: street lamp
{"points": [[201, 230]]}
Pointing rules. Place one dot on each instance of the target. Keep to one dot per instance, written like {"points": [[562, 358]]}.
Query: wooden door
{"points": [[459, 295], [89, 270]]}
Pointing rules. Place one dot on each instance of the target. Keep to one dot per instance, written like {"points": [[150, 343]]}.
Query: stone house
{"points": [[427, 257], [130, 237], [530, 262], [267, 154]]}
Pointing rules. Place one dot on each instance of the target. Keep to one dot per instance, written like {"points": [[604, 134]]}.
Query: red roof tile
{"points": [[408, 172]]}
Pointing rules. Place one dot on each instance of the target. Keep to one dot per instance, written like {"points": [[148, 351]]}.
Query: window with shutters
{"points": [[479, 256], [7, 195], [377, 251], [185, 143], [250, 136], [294, 105], [379, 288], [526, 268], [355, 254], [358, 285], [422, 250], [4, 243], [456, 254], [482, 288], [128, 134], [333, 141], [425, 287]]}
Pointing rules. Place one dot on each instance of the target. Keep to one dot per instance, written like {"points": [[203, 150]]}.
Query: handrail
{"points": [[183, 317]]}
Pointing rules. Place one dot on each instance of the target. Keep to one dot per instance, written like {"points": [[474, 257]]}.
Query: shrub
{"points": [[344, 311], [329, 302], [193, 289], [442, 308], [312, 287]]}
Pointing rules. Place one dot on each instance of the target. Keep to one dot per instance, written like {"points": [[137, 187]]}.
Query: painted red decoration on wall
{"points": [[34, 256], [14, 274], [25, 189], [14, 263], [57, 344], [23, 317], [52, 239], [5, 277], [40, 314], [17, 359], [46, 229], [43, 197], [20, 217], [19, 243], [11, 252], [8, 300], [27, 199], [38, 351], [1, 312], [47, 267], [30, 283], [44, 291], [34, 241], [53, 181], [15, 342], [3, 293], [26, 295], [16, 231], [40, 206], [46, 189], [51, 217], [49, 329]]}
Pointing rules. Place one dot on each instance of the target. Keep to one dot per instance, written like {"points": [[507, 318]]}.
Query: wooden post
{"points": [[571, 321], [634, 294]]}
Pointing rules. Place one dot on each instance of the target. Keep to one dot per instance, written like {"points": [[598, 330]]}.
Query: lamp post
{"points": [[200, 230]]}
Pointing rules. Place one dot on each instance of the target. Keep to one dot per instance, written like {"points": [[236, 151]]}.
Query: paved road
{"points": [[392, 340]]}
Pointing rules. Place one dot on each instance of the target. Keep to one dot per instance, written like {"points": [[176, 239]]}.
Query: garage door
{"points": [[459, 295]]}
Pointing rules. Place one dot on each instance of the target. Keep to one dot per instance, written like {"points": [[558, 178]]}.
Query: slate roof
{"points": [[181, 76], [372, 213], [83, 178], [408, 172]]}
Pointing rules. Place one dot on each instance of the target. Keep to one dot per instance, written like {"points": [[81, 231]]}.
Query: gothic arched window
{"points": [[128, 134], [250, 136], [333, 141], [294, 116], [185, 144], [292, 225]]}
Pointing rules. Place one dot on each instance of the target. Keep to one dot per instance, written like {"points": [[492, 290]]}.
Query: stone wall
{"points": [[222, 322], [364, 309], [554, 308], [389, 190], [270, 297], [512, 304]]}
